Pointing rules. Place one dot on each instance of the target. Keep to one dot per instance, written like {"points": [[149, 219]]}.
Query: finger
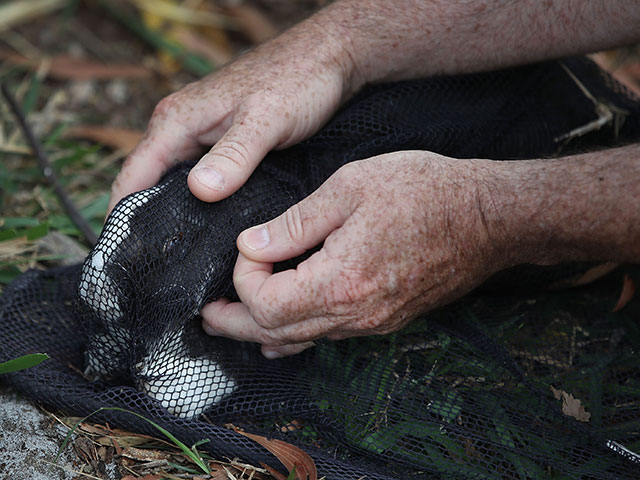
{"points": [[289, 297], [164, 144], [233, 320], [233, 158], [302, 227]]}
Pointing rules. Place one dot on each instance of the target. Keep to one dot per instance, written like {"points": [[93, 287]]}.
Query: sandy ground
{"points": [[29, 442]]}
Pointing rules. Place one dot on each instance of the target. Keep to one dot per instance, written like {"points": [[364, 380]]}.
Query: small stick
{"points": [[47, 170]]}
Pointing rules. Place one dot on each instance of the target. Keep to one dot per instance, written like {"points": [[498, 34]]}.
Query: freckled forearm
{"points": [[399, 39], [580, 208]]}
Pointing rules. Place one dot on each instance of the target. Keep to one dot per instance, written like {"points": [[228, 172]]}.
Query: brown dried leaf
{"points": [[218, 473], [292, 426], [121, 442], [273, 472], [123, 139], [85, 449], [144, 455], [594, 274], [572, 407], [628, 290], [93, 429], [65, 67], [556, 393], [289, 455]]}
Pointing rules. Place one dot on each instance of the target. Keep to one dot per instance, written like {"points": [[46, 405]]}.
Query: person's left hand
{"points": [[403, 233]]}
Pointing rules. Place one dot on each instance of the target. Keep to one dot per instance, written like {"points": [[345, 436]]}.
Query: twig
{"points": [[47, 170], [606, 113]]}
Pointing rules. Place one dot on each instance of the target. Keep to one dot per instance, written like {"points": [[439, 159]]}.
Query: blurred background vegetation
{"points": [[87, 74]]}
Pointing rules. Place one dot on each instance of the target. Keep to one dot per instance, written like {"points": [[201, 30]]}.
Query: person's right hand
{"points": [[274, 96]]}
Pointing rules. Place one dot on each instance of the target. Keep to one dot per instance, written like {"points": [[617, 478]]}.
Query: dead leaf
{"points": [[218, 472], [144, 455], [290, 456], [572, 407], [273, 472], [627, 73], [105, 454], [93, 429], [123, 139], [628, 290], [66, 67], [254, 24], [292, 426], [85, 449], [590, 275]]}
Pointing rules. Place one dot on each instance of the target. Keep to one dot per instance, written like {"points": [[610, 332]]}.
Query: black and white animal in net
{"points": [[142, 286], [162, 255]]}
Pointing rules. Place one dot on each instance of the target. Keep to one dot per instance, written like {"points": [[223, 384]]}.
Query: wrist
{"points": [[331, 34], [510, 202], [580, 208]]}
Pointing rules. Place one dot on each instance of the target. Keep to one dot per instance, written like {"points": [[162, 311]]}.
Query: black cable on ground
{"points": [[47, 170]]}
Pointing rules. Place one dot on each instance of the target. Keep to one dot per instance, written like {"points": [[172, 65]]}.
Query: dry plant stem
{"points": [[47, 170]]}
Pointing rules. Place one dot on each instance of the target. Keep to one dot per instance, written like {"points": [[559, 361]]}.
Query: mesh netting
{"points": [[463, 392]]}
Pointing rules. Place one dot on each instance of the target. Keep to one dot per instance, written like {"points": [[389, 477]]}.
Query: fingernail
{"points": [[256, 238], [271, 354], [209, 177]]}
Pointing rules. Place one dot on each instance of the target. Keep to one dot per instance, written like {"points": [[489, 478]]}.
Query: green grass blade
{"points": [[292, 474], [23, 362]]}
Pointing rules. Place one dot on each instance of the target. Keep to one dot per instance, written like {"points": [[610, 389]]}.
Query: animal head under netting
{"points": [[461, 393]]}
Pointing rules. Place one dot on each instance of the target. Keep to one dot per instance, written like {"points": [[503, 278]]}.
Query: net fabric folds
{"points": [[514, 381]]}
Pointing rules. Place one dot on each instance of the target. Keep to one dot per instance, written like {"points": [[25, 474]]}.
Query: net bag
{"points": [[485, 388]]}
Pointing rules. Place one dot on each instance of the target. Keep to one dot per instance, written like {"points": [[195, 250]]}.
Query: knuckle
{"points": [[294, 223], [349, 290], [167, 106], [267, 99], [264, 319], [266, 337], [349, 176], [235, 152]]}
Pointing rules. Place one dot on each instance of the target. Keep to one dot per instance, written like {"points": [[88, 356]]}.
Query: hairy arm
{"points": [[580, 208], [403, 39]]}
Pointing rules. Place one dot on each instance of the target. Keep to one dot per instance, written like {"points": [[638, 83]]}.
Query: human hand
{"points": [[403, 233], [272, 97]]}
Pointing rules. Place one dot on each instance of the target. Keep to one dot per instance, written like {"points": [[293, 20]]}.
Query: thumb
{"points": [[302, 227], [233, 159]]}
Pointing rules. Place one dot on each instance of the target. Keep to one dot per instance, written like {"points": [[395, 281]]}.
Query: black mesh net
{"points": [[464, 392]]}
